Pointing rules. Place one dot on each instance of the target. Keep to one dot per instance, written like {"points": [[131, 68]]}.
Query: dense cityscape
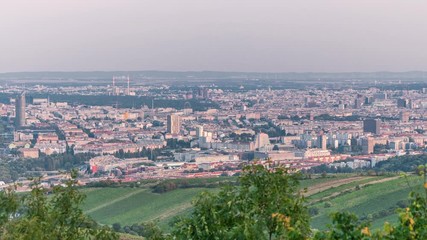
{"points": [[202, 130]]}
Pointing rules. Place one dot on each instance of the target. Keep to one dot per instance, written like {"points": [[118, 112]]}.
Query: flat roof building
{"points": [[372, 126]]}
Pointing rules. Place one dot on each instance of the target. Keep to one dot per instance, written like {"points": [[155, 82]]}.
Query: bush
{"points": [[313, 211], [56, 217]]}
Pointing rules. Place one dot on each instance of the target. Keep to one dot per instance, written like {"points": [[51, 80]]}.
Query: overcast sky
{"points": [[226, 35]]}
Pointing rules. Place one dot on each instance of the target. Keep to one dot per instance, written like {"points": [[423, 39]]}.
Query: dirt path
{"points": [[360, 185], [325, 186], [380, 180], [115, 200], [173, 212]]}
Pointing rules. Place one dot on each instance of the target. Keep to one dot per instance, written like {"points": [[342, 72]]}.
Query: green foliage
{"points": [[406, 163], [269, 128], [345, 226], [177, 144], [172, 184], [11, 170], [244, 137], [327, 117], [150, 153], [380, 148], [123, 101], [266, 205], [412, 221], [313, 211], [323, 168], [149, 230], [165, 187], [412, 225], [328, 204], [37, 216], [8, 206], [378, 199], [128, 206]]}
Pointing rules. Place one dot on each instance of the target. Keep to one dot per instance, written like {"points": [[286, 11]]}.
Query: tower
{"points": [[174, 124], [368, 145], [128, 89], [404, 116], [20, 111], [199, 131], [402, 103], [323, 141], [261, 140], [372, 126], [115, 90]]}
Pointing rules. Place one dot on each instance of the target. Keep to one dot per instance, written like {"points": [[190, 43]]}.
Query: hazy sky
{"points": [[227, 35]]}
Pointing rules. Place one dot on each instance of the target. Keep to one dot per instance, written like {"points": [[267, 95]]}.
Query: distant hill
{"points": [[413, 75]]}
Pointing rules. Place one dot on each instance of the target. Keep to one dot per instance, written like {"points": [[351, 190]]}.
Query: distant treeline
{"points": [[119, 101], [11, 170], [172, 184], [406, 163], [167, 185]]}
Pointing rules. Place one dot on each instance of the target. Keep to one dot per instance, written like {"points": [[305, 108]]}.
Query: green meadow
{"points": [[374, 198]]}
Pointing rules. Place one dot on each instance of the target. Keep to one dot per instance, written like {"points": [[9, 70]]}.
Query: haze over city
{"points": [[220, 35]]}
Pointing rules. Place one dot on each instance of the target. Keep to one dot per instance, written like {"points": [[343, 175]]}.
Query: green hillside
{"points": [[376, 201], [127, 205], [373, 198]]}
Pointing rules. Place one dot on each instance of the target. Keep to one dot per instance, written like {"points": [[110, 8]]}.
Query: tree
{"points": [[324, 175], [151, 231], [313, 211], [345, 226], [266, 205], [117, 227], [412, 221], [35, 216]]}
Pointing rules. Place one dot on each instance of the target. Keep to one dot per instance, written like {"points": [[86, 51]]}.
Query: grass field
{"points": [[359, 194], [127, 206], [370, 199]]}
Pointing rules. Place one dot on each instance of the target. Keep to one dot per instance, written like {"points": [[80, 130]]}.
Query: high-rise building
{"points": [[381, 96], [199, 131], [203, 93], [323, 142], [404, 116], [368, 145], [20, 111], [261, 140], [358, 102], [174, 124], [402, 103], [372, 126]]}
